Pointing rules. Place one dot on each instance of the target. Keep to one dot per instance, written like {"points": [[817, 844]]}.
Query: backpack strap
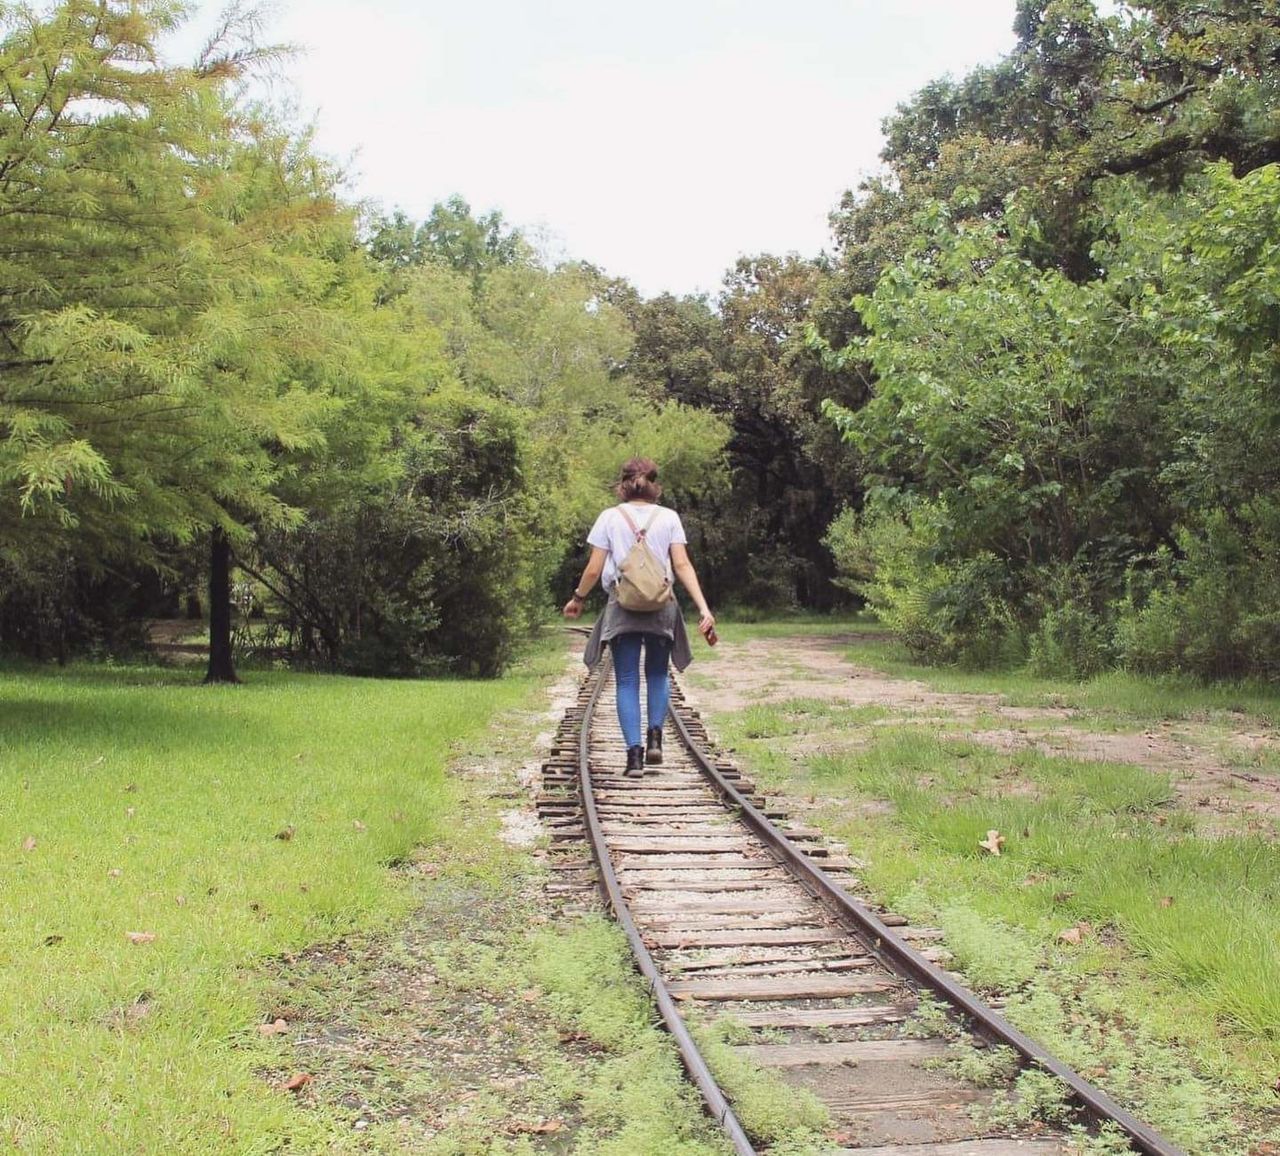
{"points": [[639, 532]]}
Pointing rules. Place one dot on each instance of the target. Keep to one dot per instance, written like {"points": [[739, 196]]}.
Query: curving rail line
{"points": [[874, 937]]}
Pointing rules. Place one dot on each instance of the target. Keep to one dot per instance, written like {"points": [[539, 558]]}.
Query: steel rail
{"points": [[897, 955], [690, 1056]]}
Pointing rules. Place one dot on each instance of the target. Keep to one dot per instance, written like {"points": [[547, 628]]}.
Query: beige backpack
{"points": [[643, 583]]}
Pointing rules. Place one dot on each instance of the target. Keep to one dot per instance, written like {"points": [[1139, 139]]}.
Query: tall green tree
{"points": [[186, 313], [107, 260], [1080, 468]]}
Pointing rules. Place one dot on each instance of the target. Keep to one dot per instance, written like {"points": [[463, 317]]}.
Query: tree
{"points": [[107, 260], [181, 301], [1079, 469], [1157, 89]]}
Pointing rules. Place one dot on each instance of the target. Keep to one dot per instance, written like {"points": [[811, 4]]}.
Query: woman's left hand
{"points": [[572, 608]]}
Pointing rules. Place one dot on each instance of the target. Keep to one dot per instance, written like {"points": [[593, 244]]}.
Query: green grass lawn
{"points": [[158, 840]]}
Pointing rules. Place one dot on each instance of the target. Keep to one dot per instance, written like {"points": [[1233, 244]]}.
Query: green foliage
{"points": [[1045, 449], [986, 1067], [401, 440], [1215, 610], [943, 611], [1070, 639], [1068, 314], [992, 957], [747, 364], [788, 1119], [170, 331], [1037, 1097], [638, 1103], [1154, 89]]}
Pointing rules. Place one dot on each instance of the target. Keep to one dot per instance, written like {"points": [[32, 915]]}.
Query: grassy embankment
{"points": [[1166, 988], [169, 854]]}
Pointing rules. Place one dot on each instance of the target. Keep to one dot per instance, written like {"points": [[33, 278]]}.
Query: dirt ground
{"points": [[1203, 760]]}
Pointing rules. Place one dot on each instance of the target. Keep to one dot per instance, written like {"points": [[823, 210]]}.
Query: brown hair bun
{"points": [[638, 481]]}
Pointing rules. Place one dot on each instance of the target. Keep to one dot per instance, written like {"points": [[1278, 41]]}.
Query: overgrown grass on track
{"points": [[230, 824]]}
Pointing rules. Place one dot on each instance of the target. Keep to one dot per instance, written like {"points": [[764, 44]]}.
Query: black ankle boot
{"points": [[654, 753], [635, 762]]}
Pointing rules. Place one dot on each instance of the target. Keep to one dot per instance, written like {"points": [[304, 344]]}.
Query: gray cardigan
{"points": [[668, 622]]}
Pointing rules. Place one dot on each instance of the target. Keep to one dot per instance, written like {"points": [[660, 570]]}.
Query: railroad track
{"points": [[732, 909]]}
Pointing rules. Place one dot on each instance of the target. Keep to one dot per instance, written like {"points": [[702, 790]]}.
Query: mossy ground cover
{"points": [[1166, 989]]}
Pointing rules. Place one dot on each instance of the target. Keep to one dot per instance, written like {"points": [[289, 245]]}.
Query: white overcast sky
{"points": [[658, 139]]}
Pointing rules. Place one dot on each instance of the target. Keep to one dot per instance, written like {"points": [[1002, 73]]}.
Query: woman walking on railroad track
{"points": [[638, 548]]}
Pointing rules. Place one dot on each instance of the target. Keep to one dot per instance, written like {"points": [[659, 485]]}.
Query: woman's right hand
{"points": [[706, 622], [572, 608]]}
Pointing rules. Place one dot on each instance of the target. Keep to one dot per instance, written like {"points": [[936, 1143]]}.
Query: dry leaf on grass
{"points": [[542, 1127], [114, 873], [1077, 934], [993, 842], [140, 937], [297, 1082], [275, 1028], [286, 834], [1166, 901], [29, 843], [359, 826]]}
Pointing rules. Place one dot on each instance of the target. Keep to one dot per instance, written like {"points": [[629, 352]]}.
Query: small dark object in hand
{"points": [[711, 636]]}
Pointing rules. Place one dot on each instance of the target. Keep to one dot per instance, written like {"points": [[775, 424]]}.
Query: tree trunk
{"points": [[221, 667]]}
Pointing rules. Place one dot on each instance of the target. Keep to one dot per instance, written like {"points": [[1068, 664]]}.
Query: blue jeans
{"points": [[626, 665]]}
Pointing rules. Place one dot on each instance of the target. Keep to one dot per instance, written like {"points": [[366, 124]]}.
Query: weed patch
{"points": [[787, 1118]]}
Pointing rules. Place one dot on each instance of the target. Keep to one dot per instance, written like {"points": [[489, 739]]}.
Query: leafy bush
{"points": [[442, 569], [1214, 611], [1072, 638], [53, 608], [1070, 641], [1034, 436], [955, 611]]}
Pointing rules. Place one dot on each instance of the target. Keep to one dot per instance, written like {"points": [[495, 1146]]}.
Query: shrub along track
{"points": [[731, 910]]}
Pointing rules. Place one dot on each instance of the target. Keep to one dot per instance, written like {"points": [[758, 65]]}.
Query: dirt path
{"points": [[1203, 761]]}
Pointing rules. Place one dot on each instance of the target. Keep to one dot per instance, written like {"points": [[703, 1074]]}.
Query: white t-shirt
{"points": [[612, 533]]}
